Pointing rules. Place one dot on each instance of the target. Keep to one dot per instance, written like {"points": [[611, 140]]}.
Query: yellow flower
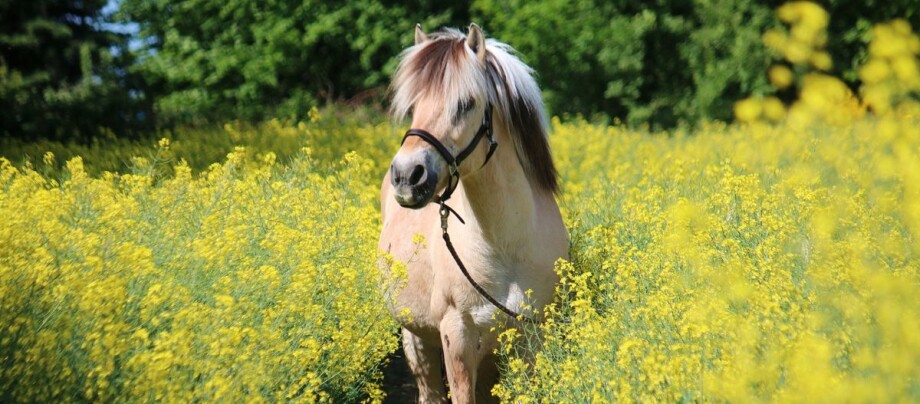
{"points": [[748, 110], [906, 69], [773, 109], [886, 42], [48, 158], [780, 76], [775, 40], [874, 71], [821, 61], [797, 52]]}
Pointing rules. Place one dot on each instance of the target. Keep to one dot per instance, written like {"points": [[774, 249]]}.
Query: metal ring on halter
{"points": [[453, 163], [453, 167]]}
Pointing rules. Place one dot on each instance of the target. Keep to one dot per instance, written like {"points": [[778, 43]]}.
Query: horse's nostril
{"points": [[418, 174]]}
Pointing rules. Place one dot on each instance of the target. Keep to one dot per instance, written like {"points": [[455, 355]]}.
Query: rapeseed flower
{"points": [[756, 262], [246, 282]]}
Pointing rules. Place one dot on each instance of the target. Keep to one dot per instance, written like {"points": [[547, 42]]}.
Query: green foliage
{"points": [[662, 62], [61, 74], [665, 63], [659, 62], [213, 60]]}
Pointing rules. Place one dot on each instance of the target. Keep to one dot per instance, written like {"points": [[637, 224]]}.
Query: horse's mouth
{"points": [[418, 205], [413, 198]]}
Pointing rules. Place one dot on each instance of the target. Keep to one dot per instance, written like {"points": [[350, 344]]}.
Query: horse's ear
{"points": [[419, 34], [476, 41]]}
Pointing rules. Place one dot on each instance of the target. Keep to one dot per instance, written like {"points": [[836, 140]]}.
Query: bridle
{"points": [[453, 163], [453, 167]]}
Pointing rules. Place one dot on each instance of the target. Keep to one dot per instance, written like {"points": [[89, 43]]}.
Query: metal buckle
{"points": [[444, 214]]}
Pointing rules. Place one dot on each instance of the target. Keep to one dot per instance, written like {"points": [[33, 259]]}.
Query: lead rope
{"points": [[453, 163], [445, 211]]}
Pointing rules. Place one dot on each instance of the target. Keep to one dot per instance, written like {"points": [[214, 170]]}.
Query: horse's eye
{"points": [[464, 106]]}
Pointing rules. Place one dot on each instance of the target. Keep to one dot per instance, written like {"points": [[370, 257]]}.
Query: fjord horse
{"points": [[479, 139]]}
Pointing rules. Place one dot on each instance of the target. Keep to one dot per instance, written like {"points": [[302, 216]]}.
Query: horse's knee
{"points": [[462, 344], [460, 336]]}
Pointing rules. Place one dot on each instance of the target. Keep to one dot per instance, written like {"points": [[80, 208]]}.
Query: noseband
{"points": [[453, 166], [453, 163]]}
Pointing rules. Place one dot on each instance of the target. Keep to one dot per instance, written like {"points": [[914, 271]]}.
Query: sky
{"points": [[131, 28]]}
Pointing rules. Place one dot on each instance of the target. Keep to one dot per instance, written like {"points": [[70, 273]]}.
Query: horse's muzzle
{"points": [[414, 180]]}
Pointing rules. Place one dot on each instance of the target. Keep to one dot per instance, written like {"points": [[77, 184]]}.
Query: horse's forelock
{"points": [[445, 67], [439, 68]]}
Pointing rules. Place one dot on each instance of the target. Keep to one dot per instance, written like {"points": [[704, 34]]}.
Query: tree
{"points": [[62, 74], [660, 62], [241, 59], [665, 62]]}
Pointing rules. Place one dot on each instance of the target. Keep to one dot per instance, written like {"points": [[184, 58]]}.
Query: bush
{"points": [[211, 61], [664, 63], [63, 74]]}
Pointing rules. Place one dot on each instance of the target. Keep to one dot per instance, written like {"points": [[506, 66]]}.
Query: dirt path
{"points": [[398, 382]]}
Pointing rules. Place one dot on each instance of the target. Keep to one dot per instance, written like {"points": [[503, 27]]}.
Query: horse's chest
{"points": [[451, 290], [436, 285]]}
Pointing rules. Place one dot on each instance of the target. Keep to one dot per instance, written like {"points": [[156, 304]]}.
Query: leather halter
{"points": [[453, 163]]}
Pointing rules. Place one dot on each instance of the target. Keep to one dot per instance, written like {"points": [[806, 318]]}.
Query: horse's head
{"points": [[442, 82]]}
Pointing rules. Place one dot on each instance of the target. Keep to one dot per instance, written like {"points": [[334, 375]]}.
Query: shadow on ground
{"points": [[398, 382]]}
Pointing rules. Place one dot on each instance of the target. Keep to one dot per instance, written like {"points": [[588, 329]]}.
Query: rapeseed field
{"points": [[248, 282], [777, 259]]}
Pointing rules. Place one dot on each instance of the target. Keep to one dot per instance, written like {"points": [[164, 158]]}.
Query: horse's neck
{"points": [[499, 195]]}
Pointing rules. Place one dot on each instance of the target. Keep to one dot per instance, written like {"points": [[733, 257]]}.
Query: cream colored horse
{"points": [[513, 232]]}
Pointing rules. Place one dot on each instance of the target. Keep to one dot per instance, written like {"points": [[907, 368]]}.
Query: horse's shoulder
{"points": [[386, 191]]}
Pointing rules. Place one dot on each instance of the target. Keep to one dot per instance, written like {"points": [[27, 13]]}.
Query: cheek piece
{"points": [[453, 163]]}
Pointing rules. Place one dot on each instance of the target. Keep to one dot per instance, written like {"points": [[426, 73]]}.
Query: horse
{"points": [[479, 140]]}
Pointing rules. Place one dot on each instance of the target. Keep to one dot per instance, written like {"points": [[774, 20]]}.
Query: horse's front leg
{"points": [[463, 351], [425, 362]]}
